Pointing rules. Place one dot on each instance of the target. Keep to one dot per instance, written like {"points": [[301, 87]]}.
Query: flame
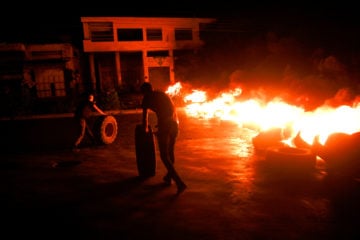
{"points": [[326, 120], [260, 115], [174, 89]]}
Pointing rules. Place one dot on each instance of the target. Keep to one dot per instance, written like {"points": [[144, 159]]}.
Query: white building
{"points": [[123, 52]]}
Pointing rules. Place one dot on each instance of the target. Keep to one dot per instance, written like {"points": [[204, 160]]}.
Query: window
{"points": [[157, 53], [101, 32], [46, 54], [50, 83], [183, 34], [153, 34], [130, 34]]}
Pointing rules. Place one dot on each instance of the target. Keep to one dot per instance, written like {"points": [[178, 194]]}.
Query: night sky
{"points": [[28, 20]]}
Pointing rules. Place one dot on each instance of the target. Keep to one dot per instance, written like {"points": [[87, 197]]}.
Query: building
{"points": [[34, 73], [119, 53], [123, 52]]}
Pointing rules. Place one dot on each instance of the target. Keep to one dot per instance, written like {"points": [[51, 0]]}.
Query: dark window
{"points": [[130, 34], [153, 34], [101, 32], [46, 54], [158, 54], [53, 89], [183, 34]]}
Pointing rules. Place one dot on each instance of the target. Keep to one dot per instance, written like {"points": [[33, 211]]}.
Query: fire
{"points": [[222, 107], [326, 120], [260, 115], [196, 97], [174, 89]]}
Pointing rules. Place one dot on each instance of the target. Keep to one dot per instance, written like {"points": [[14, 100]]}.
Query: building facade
{"points": [[119, 53], [123, 52], [35, 73]]}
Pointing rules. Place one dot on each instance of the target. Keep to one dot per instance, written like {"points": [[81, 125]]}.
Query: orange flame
{"points": [[174, 89], [276, 113]]}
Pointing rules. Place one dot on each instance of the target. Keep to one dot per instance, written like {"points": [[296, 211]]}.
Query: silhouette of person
{"points": [[168, 128], [82, 114]]}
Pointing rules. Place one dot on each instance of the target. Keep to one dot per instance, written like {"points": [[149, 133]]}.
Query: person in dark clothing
{"points": [[168, 127], [82, 114]]}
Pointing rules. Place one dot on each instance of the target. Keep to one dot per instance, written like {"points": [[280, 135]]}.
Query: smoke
{"points": [[304, 60], [283, 67]]}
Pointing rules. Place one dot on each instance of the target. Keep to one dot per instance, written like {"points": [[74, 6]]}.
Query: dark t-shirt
{"points": [[160, 103], [84, 109]]}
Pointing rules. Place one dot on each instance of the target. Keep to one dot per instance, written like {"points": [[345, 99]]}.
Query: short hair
{"points": [[146, 87]]}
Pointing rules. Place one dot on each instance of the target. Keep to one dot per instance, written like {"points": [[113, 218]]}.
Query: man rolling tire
{"points": [[82, 115]]}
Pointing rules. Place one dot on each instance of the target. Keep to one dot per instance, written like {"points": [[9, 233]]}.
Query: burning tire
{"points": [[267, 139], [106, 129], [290, 160], [341, 153]]}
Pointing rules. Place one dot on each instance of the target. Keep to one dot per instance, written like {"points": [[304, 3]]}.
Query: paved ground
{"points": [[50, 192]]}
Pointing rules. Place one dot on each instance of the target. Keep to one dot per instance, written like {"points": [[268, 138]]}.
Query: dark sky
{"points": [[43, 21], [66, 14]]}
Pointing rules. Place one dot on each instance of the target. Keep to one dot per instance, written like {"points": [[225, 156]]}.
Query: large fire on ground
{"points": [[263, 115]]}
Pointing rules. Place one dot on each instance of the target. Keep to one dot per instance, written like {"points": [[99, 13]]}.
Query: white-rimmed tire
{"points": [[106, 129]]}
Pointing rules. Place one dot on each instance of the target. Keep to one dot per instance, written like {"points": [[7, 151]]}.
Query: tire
{"points": [[106, 129], [290, 160], [268, 139], [341, 154], [145, 152]]}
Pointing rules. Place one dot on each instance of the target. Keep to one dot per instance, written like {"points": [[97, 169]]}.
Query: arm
{"points": [[145, 121], [99, 110]]}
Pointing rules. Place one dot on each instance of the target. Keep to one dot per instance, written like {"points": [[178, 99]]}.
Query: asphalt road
{"points": [[50, 192]]}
